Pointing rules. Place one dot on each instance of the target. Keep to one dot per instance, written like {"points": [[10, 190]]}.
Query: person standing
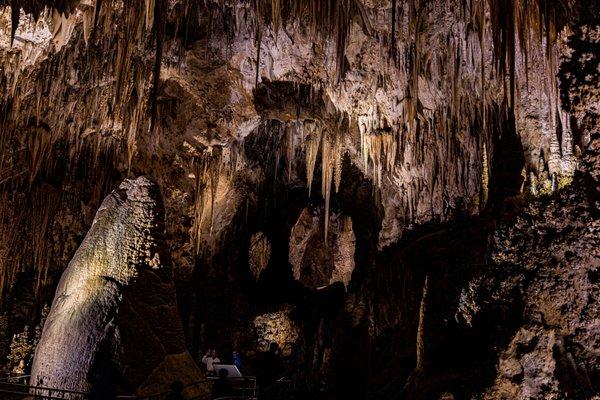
{"points": [[237, 359], [210, 359], [271, 366]]}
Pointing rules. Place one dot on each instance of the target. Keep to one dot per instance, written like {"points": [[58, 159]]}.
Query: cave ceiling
{"points": [[414, 93]]}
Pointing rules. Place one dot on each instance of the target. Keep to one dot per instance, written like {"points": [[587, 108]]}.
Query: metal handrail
{"points": [[7, 379], [162, 394], [52, 393], [27, 390], [29, 395], [42, 388]]}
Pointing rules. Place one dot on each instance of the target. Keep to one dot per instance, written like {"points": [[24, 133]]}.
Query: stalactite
{"points": [[327, 176], [482, 30], [214, 182], [313, 143], [160, 9], [200, 173], [259, 30], [208, 169], [97, 10], [338, 164], [331, 155], [14, 20], [379, 146], [393, 31], [291, 130], [276, 14]]}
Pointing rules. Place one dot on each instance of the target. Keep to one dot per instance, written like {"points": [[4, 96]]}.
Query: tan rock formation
{"points": [[114, 318]]}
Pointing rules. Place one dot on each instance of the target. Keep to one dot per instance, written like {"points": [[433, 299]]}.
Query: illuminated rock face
{"points": [[114, 316], [547, 259], [276, 327]]}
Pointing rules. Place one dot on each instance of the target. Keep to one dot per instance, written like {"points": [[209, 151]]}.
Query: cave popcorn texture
{"points": [[114, 315]]}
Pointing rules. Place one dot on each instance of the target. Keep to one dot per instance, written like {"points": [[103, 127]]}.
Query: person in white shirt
{"points": [[210, 358]]}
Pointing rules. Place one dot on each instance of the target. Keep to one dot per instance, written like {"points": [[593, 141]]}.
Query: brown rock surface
{"points": [[548, 260], [315, 262], [259, 253]]}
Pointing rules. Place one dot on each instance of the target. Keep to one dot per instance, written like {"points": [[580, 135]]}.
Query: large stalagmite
{"points": [[114, 316]]}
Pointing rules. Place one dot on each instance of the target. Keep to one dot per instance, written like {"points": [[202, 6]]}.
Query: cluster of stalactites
{"points": [[13, 257], [497, 38], [378, 145], [117, 105], [319, 136], [215, 166], [40, 227], [315, 138], [323, 18], [526, 36]]}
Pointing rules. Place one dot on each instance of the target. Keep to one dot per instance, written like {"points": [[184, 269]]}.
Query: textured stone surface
{"points": [[399, 119], [548, 260], [276, 327], [114, 314], [315, 262], [581, 88], [259, 253]]}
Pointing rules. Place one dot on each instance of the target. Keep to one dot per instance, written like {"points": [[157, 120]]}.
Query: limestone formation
{"points": [[402, 193], [318, 262], [114, 318], [547, 262], [276, 327], [259, 253]]}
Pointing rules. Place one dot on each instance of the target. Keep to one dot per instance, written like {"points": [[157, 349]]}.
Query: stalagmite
{"points": [[420, 366], [485, 178], [114, 316]]}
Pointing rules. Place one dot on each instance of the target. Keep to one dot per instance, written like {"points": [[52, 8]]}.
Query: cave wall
{"points": [[404, 116]]}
